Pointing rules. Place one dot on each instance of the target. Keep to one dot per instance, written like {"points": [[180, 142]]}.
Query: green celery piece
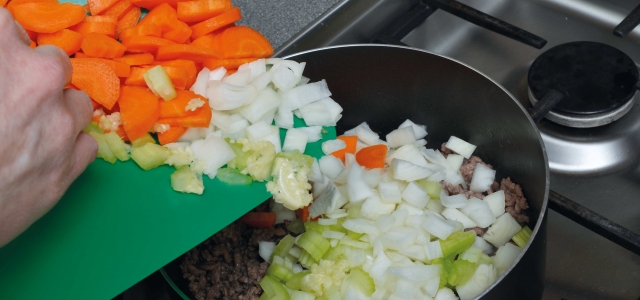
{"points": [[353, 212], [294, 282], [472, 254], [522, 237], [150, 156], [306, 260], [104, 151], [233, 177], [447, 266], [315, 226], [93, 127], [433, 188], [296, 226], [117, 146], [274, 289], [336, 253], [143, 140], [283, 247], [186, 181], [279, 272], [314, 243], [457, 243], [300, 160], [360, 280], [263, 297], [461, 271], [485, 260], [159, 83], [332, 293]]}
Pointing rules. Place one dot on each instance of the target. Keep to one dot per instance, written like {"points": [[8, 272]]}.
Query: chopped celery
{"points": [[300, 295], [457, 243], [117, 146], [159, 83], [522, 237], [233, 177], [283, 247], [472, 255], [461, 271], [263, 297], [330, 293], [104, 151], [485, 259], [294, 282], [186, 181], [360, 280], [150, 156], [447, 266], [433, 188], [93, 127], [254, 158], [274, 289], [301, 160], [279, 272], [314, 243], [143, 140], [306, 260], [336, 253], [296, 226], [315, 226]]}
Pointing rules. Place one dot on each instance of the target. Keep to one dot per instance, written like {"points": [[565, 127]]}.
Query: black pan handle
{"points": [[629, 23], [545, 105]]}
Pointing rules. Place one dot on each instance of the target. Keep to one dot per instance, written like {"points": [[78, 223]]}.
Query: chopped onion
{"points": [[361, 226], [410, 153], [399, 238], [421, 143], [331, 166], [330, 234], [193, 134], [496, 202], [411, 210], [420, 131], [284, 117], [324, 112], [436, 177], [258, 130], [314, 133], [257, 68], [274, 138], [453, 178], [415, 195], [305, 94], [434, 156], [480, 212], [262, 81], [283, 77], [367, 135], [416, 273], [440, 228], [200, 86], [504, 228], [389, 192], [460, 146], [481, 279], [285, 214], [456, 215], [455, 161], [435, 206], [224, 96], [445, 293], [214, 152], [303, 80], [379, 267], [272, 60], [453, 201], [373, 177], [295, 139], [373, 208], [265, 101], [385, 223], [505, 256], [482, 179], [433, 250], [239, 78], [316, 174], [357, 187], [238, 124], [482, 244], [217, 74], [415, 252], [404, 170], [297, 268], [265, 249], [401, 137], [331, 146]]}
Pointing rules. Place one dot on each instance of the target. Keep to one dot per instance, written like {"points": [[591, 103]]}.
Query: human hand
{"points": [[42, 148]]}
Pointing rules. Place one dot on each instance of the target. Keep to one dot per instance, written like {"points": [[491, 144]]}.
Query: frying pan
{"points": [[385, 85]]}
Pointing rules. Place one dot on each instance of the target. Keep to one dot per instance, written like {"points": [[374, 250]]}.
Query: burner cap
{"points": [[593, 77]]}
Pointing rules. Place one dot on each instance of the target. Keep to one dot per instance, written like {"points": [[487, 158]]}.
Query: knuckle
{"points": [[54, 66]]}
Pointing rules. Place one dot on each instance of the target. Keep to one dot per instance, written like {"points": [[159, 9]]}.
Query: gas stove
{"points": [[597, 167]]}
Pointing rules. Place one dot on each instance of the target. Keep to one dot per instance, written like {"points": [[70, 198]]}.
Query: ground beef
{"points": [[469, 165], [515, 202], [227, 265], [479, 231], [458, 189], [445, 151]]}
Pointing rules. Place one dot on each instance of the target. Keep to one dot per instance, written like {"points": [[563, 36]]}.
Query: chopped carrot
{"points": [[145, 43], [97, 79], [150, 4], [303, 214], [217, 22], [178, 76], [180, 34], [66, 39], [32, 35], [205, 41], [261, 220], [129, 20], [95, 104], [176, 107], [81, 55], [3, 3], [106, 28], [98, 6], [121, 69], [197, 11], [142, 30], [163, 15], [243, 42], [179, 51], [119, 9], [11, 4], [122, 133], [232, 63], [32, 45], [172, 135], [136, 59], [351, 141], [200, 119], [187, 65], [101, 19], [230, 72], [48, 17], [139, 110], [373, 156], [100, 45]]}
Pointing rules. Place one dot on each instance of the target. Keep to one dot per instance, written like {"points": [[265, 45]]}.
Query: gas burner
{"points": [[597, 83]]}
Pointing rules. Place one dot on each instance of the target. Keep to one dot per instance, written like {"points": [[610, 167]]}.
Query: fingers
{"points": [[55, 65], [78, 104], [9, 31], [22, 34], [84, 152]]}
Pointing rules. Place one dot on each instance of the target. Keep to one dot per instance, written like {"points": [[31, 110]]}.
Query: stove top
{"points": [[598, 168]]}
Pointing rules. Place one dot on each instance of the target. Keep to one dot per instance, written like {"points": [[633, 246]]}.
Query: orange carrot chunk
{"points": [[197, 11], [141, 30], [136, 59], [97, 79], [101, 19], [351, 141], [3, 3], [200, 119], [98, 6], [139, 110], [48, 17], [187, 65], [119, 9], [232, 63], [129, 20], [14, 3], [261, 220], [217, 22], [244, 42], [106, 28], [150, 4], [81, 55], [177, 106], [163, 15], [145, 43], [180, 34], [172, 135], [190, 52], [178, 76], [121, 69], [373, 156], [66, 39], [100, 45]]}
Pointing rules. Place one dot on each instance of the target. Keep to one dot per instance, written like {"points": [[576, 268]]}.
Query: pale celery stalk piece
{"points": [[522, 237], [186, 181], [274, 289], [104, 151], [150, 156], [360, 280], [159, 82], [143, 140], [117, 146]]}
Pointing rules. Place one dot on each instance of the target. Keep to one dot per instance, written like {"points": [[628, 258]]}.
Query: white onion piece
{"points": [[437, 177], [352, 131], [262, 81], [327, 202], [453, 177], [221, 120], [390, 192], [385, 223], [319, 186], [460, 146], [410, 153], [316, 174], [367, 135], [193, 134], [415, 195], [331, 166], [177, 145], [238, 124], [200, 86], [285, 214], [505, 256], [295, 139], [303, 80], [399, 238], [431, 288], [480, 212], [265, 101], [415, 252], [217, 74], [404, 170], [379, 267], [420, 131], [435, 206], [274, 138], [284, 117], [269, 116], [456, 215], [214, 152], [482, 178], [421, 143], [434, 156], [272, 60], [224, 96], [305, 94], [296, 68], [411, 210], [401, 137], [257, 67], [433, 250], [330, 234], [453, 201], [440, 228], [314, 133], [283, 77], [373, 177], [239, 78], [324, 112], [481, 279], [357, 188], [502, 230], [445, 293], [455, 161], [373, 208], [482, 244], [496, 202], [416, 273], [331, 146], [258, 130], [325, 221], [265, 249], [361, 226]]}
